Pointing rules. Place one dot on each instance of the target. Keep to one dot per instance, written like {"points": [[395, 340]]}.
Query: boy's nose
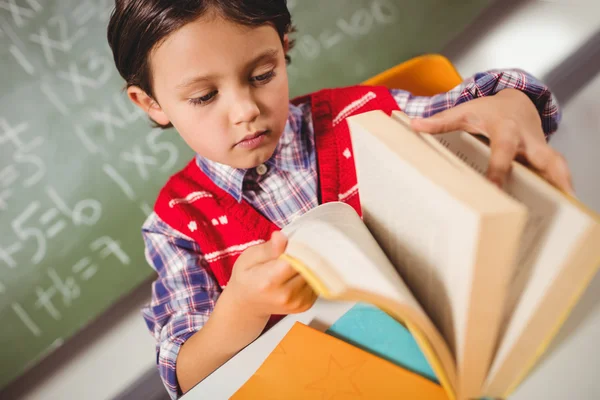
{"points": [[244, 109]]}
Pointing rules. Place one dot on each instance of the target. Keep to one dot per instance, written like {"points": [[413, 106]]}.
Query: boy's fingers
{"points": [[503, 152], [561, 175], [552, 166], [453, 119]]}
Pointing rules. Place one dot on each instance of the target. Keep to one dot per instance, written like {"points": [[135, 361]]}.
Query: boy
{"points": [[215, 70]]}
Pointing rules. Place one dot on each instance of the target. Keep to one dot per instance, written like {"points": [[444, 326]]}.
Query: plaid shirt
{"points": [[287, 190]]}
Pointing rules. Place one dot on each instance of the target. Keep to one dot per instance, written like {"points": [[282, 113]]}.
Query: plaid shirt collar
{"points": [[292, 153]]}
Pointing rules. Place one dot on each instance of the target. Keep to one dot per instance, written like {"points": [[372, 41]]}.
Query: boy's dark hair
{"points": [[137, 26]]}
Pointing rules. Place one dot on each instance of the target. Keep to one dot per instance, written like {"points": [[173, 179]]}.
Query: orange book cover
{"points": [[309, 364]]}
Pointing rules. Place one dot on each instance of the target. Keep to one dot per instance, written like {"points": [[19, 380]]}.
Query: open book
{"points": [[482, 277]]}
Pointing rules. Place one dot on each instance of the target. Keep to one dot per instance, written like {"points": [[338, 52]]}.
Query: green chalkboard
{"points": [[344, 42], [80, 167]]}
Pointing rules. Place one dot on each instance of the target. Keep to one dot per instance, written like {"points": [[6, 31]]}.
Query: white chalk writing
{"points": [[12, 134], [119, 180], [20, 13], [63, 43], [26, 319], [109, 246], [54, 99]]}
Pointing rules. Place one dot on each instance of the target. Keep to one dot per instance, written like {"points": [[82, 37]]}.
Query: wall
{"points": [[116, 352]]}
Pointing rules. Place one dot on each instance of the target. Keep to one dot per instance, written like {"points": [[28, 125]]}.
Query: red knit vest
{"points": [[223, 228]]}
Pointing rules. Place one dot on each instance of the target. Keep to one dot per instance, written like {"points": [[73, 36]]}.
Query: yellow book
{"points": [[309, 364], [482, 277]]}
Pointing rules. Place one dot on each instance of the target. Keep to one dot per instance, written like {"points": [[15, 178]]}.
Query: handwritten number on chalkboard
{"points": [[100, 65], [26, 319], [10, 134], [64, 43], [160, 147], [100, 68], [8, 176], [20, 156], [68, 288], [5, 194], [44, 299], [141, 160], [86, 268], [88, 9], [330, 39], [88, 143], [107, 246], [24, 234], [6, 254], [360, 23], [83, 12], [78, 215], [108, 121], [54, 99], [384, 11], [119, 180], [19, 13], [85, 212]]}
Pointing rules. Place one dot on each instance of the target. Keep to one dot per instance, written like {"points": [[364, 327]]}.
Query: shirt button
{"points": [[261, 169]]}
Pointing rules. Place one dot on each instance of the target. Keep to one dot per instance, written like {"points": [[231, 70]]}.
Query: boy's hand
{"points": [[512, 123], [262, 284]]}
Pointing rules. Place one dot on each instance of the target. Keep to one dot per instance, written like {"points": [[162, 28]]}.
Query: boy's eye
{"points": [[203, 99], [263, 78]]}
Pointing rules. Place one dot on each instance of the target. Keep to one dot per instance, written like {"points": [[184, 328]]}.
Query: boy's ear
{"points": [[286, 43], [148, 105]]}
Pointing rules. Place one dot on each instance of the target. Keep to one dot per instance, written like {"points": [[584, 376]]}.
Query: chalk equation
{"points": [[64, 289], [310, 46], [75, 155], [48, 224]]}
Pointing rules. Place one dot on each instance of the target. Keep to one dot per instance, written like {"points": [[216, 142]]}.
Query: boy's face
{"points": [[224, 87]]}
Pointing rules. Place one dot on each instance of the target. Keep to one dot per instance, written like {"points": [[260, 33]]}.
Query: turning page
{"points": [[341, 260], [451, 235], [557, 258]]}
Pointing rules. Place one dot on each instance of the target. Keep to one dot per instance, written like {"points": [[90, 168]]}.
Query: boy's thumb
{"points": [[278, 243]]}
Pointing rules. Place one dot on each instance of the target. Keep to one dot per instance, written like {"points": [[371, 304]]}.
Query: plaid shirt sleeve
{"points": [[183, 295], [485, 84]]}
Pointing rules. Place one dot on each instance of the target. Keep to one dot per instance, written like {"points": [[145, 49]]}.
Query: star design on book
{"points": [[279, 349], [337, 381]]}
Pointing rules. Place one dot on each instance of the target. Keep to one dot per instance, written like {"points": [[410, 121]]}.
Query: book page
{"points": [[540, 210], [543, 205], [336, 232], [439, 223], [341, 260], [554, 228], [558, 233], [428, 235]]}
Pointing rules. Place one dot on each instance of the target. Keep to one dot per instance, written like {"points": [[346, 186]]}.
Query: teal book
{"points": [[372, 330]]}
